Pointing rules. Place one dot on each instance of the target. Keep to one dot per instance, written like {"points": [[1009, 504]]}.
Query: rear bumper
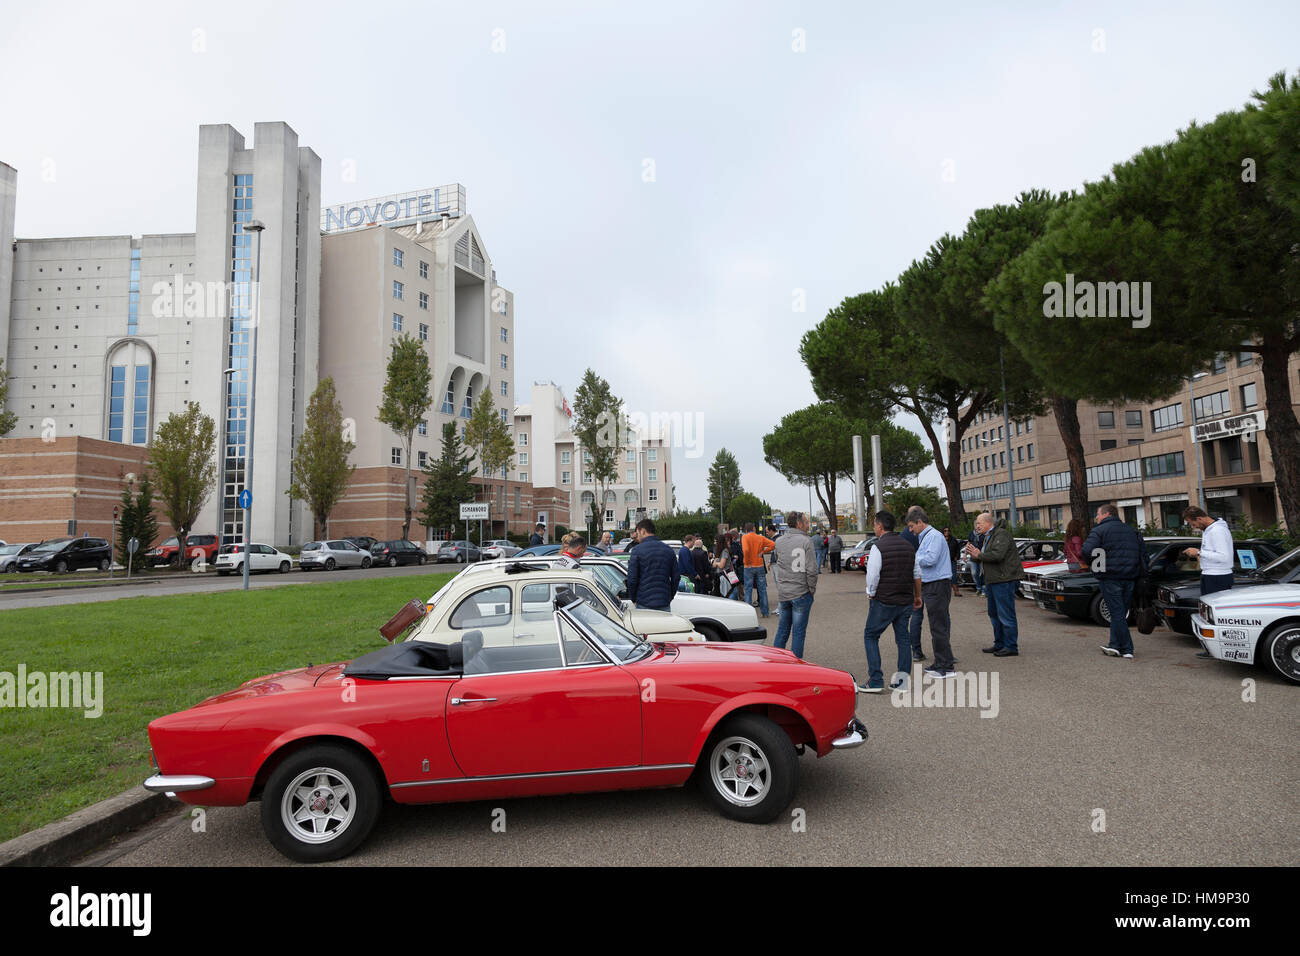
{"points": [[855, 735], [171, 785]]}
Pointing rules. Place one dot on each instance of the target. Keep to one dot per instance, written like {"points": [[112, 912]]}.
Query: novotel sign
{"points": [[401, 209]]}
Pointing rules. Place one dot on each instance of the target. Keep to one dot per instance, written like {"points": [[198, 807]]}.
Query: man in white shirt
{"points": [[571, 556], [1215, 553]]}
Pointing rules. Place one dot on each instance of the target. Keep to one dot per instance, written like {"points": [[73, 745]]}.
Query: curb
{"points": [[78, 833]]}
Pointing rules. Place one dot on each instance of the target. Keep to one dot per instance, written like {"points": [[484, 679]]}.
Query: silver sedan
{"points": [[332, 554]]}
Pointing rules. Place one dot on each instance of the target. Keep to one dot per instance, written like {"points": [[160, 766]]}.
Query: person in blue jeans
{"points": [[894, 592], [1118, 555], [796, 582], [1000, 565], [915, 617]]}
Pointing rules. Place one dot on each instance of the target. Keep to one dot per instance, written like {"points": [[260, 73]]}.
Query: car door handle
{"points": [[471, 700]]}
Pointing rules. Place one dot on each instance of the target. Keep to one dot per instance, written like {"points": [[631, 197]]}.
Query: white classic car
{"points": [[1258, 625], [511, 603]]}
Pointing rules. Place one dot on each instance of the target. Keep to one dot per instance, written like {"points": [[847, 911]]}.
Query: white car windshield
{"points": [[622, 644]]}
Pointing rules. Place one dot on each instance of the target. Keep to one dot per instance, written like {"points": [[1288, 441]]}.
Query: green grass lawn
{"points": [[159, 655]]}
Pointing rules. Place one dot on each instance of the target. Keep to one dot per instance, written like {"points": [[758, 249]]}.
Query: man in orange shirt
{"points": [[754, 546]]}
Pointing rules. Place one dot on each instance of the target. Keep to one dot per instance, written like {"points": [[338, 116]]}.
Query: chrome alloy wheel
{"points": [[740, 771], [318, 806]]}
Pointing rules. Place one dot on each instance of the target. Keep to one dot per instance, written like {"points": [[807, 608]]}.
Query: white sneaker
{"points": [[1127, 657], [1109, 651], [868, 689]]}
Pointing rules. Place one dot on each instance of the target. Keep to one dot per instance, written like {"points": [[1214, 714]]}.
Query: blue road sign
{"points": [[245, 499]]}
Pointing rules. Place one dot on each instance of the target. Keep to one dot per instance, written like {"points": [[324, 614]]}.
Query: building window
{"points": [[653, 494], [586, 477], [523, 458], [1108, 443], [1210, 406], [424, 332], [1164, 466], [1020, 453], [424, 269], [1249, 396], [398, 257], [1163, 419], [523, 475], [1135, 441], [586, 458], [422, 428], [397, 456], [630, 476], [1245, 358], [449, 401], [1133, 418], [523, 439], [1105, 419], [504, 361], [566, 457], [397, 322], [1002, 459], [564, 477], [505, 387], [467, 410], [1029, 451], [424, 300], [1233, 463], [398, 289], [503, 416], [652, 474], [116, 402], [1220, 364], [423, 458], [133, 294], [652, 454], [505, 336]]}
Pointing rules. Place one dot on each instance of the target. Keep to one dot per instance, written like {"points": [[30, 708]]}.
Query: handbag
{"points": [[732, 578]]}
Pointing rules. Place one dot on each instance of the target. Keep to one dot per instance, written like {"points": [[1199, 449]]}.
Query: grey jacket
{"points": [[796, 566]]}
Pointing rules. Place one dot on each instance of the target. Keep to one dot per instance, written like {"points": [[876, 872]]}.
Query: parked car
{"points": [[329, 555], [429, 722], [10, 553], [543, 550], [458, 551], [1034, 553], [363, 541], [1261, 626], [500, 549], [264, 558], [717, 618], [1078, 594], [393, 553], [67, 554], [1176, 603], [518, 592], [620, 547], [166, 553], [855, 559]]}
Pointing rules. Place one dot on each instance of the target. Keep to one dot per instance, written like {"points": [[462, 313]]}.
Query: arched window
{"points": [[130, 390]]}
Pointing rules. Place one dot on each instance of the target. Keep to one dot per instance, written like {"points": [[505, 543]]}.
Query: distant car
{"points": [[393, 553], [544, 550], [458, 551], [264, 558], [329, 555], [10, 553], [67, 554], [1259, 626], [855, 559], [203, 546], [1176, 603], [621, 547], [1034, 552], [500, 549]]}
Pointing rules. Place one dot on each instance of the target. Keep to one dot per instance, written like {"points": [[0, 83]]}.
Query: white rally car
{"points": [[1258, 625]]}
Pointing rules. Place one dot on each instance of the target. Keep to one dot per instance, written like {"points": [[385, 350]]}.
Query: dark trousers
{"points": [[915, 619], [1210, 583], [835, 562], [936, 595]]}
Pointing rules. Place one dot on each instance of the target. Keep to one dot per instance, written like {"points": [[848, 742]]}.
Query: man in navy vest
{"points": [[894, 592]]}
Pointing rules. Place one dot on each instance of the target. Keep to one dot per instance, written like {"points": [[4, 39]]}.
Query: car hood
{"points": [[1267, 595], [302, 678], [1190, 590], [641, 620]]}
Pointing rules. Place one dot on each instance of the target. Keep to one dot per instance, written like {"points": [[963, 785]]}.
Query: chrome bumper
{"points": [[855, 735], [160, 783]]}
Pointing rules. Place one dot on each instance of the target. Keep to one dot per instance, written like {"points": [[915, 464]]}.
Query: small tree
{"points": [[724, 483], [320, 473], [406, 401], [184, 463], [447, 482], [490, 438], [7, 419], [599, 427]]}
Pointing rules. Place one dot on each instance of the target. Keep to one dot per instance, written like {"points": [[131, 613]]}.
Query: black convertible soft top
{"points": [[407, 659]]}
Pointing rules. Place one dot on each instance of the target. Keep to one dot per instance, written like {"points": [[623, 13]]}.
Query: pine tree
{"points": [[447, 482]]}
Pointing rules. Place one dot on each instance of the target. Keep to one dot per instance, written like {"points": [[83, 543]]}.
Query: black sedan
{"points": [[393, 553], [1078, 594], [1175, 604], [68, 554]]}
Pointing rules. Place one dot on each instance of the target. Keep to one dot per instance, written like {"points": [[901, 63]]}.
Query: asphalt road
{"points": [[208, 581], [1183, 769]]}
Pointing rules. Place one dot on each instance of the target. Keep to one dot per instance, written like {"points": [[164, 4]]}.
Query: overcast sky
{"points": [[663, 186]]}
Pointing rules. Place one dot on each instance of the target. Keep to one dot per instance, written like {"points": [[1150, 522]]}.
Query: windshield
{"points": [[611, 579], [49, 546], [1282, 566], [622, 644]]}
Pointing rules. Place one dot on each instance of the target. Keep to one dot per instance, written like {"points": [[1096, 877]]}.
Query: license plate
{"points": [[1234, 634]]}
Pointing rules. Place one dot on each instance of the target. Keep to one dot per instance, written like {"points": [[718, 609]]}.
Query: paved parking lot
{"points": [[1162, 751]]}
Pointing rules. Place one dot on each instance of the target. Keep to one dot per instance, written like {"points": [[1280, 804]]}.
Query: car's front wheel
{"points": [[61, 567], [104, 564], [421, 560], [1100, 611], [284, 567], [320, 804], [1280, 649], [365, 563], [749, 769], [392, 561]]}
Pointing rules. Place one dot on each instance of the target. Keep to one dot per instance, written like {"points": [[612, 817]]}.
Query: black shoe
{"points": [[1205, 654], [1006, 652], [917, 656], [991, 650]]}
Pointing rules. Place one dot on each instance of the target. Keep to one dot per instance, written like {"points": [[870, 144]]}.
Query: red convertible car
{"points": [[596, 709]]}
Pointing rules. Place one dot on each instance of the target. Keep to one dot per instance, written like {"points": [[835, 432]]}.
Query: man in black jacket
{"points": [[651, 570], [1117, 555]]}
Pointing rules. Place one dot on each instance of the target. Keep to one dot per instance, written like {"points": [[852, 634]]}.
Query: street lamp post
{"points": [[1006, 424], [221, 458], [257, 226]]}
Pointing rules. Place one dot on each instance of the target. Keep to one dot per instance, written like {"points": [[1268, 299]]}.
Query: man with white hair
{"points": [[1002, 569]]}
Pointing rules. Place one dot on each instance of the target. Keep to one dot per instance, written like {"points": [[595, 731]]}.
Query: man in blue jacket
{"points": [[651, 570], [1117, 555], [686, 560]]}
